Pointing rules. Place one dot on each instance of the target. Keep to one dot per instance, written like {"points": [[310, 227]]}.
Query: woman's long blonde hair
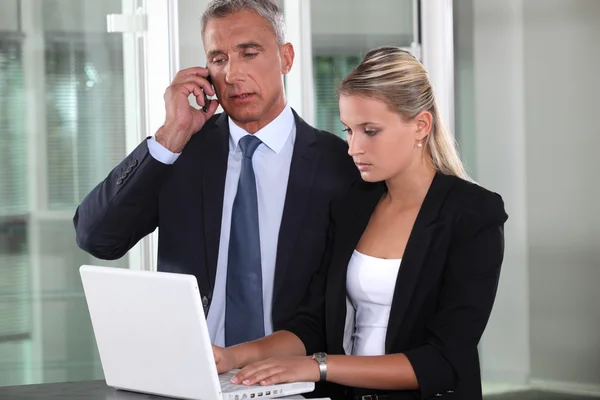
{"points": [[397, 78]]}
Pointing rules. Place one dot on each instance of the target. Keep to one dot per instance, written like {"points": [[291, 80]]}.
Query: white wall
{"points": [[64, 15], [78, 16], [500, 166], [8, 15], [338, 26], [350, 26], [348, 17], [464, 85], [562, 64], [191, 50], [527, 82]]}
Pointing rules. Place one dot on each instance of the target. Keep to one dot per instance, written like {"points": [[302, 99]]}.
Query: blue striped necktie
{"points": [[244, 313]]}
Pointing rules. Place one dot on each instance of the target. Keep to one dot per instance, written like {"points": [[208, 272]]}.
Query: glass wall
{"points": [[62, 128]]}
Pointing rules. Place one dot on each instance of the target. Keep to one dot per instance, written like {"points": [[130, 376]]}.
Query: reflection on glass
{"points": [[78, 111], [85, 113]]}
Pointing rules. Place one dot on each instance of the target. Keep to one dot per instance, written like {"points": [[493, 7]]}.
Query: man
{"points": [[242, 199]]}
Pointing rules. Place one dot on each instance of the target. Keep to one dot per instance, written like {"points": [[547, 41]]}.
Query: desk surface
{"points": [[90, 390]]}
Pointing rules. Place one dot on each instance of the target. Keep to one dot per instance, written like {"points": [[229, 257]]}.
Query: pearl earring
{"points": [[419, 144]]}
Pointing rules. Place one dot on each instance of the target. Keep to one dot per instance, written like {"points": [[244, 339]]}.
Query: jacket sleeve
{"points": [[467, 294], [123, 208]]}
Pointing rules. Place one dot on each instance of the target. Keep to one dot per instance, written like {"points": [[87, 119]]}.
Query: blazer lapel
{"points": [[213, 153], [414, 255], [300, 183], [353, 222]]}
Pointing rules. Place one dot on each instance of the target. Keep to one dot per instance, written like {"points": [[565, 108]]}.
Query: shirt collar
{"points": [[273, 135]]}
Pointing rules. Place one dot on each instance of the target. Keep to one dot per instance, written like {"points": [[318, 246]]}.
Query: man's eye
{"points": [[218, 61], [250, 55]]}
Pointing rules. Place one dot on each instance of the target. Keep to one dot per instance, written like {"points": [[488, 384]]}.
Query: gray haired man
{"points": [[242, 199]]}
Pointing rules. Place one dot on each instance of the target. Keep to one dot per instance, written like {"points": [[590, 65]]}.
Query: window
{"points": [[343, 31], [62, 129], [13, 144], [328, 72], [85, 110], [15, 324]]}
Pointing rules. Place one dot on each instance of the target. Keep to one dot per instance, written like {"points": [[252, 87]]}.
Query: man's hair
{"points": [[267, 9]]}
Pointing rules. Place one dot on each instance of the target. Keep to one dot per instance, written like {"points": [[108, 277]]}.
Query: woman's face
{"points": [[382, 144]]}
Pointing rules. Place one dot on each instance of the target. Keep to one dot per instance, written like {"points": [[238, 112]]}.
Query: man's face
{"points": [[246, 65]]}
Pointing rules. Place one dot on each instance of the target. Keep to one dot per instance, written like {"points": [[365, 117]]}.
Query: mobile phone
{"points": [[206, 99]]}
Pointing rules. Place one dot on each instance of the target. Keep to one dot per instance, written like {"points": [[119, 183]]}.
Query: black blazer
{"points": [[185, 201], [444, 291]]}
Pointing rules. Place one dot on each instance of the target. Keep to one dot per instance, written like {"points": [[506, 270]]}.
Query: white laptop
{"points": [[152, 337]]}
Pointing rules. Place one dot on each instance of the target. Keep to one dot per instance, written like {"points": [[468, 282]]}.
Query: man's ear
{"points": [[287, 57]]}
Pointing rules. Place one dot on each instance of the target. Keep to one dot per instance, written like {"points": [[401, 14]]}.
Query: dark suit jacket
{"points": [[444, 291], [185, 201]]}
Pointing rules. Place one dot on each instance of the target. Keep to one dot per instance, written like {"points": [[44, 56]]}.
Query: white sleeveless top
{"points": [[370, 284]]}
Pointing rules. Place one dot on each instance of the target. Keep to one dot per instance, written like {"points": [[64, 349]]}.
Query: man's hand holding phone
{"points": [[182, 119]]}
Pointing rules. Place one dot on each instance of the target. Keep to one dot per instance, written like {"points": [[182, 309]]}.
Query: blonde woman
{"points": [[408, 285]]}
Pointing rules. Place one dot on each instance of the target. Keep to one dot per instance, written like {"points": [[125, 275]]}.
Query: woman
{"points": [[415, 256]]}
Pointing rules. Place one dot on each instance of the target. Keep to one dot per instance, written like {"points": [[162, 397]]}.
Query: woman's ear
{"points": [[424, 123]]}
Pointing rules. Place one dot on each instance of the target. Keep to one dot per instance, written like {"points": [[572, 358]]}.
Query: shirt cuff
{"points": [[161, 153]]}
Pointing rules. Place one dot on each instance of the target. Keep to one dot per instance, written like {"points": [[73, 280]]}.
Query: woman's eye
{"points": [[370, 132], [347, 131]]}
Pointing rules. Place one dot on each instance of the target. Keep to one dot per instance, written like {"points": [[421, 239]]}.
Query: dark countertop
{"points": [[85, 390], [89, 390]]}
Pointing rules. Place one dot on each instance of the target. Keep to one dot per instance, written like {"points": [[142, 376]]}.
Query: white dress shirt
{"points": [[370, 284], [271, 163]]}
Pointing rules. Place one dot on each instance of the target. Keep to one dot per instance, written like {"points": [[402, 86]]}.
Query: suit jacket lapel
{"points": [[300, 183], [213, 155], [414, 255], [352, 223]]}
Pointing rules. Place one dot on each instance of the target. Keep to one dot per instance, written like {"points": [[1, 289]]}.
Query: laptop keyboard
{"points": [[227, 385], [254, 392]]}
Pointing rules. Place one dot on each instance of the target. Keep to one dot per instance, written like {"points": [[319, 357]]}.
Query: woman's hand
{"points": [[224, 358], [279, 370]]}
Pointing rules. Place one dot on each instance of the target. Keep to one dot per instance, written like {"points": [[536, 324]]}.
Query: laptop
{"points": [[152, 337]]}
